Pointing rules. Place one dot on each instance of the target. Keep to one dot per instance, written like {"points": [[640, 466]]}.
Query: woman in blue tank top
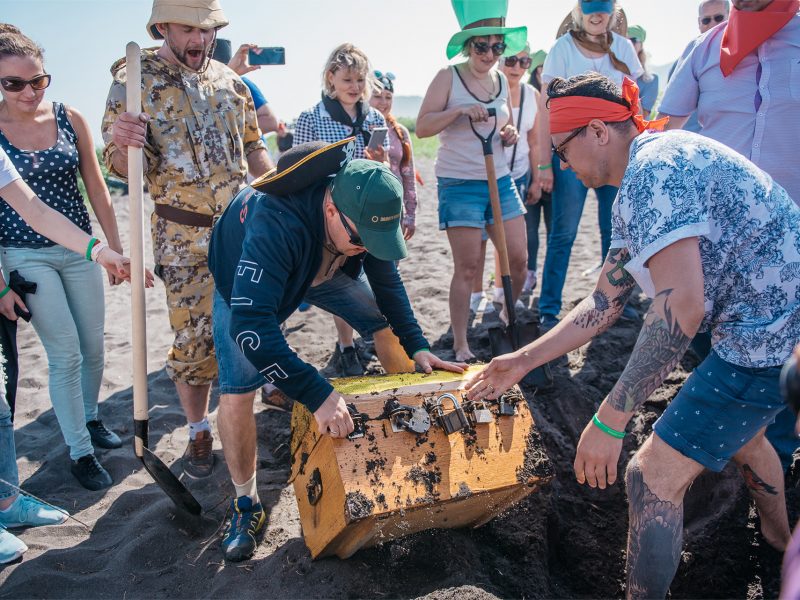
{"points": [[49, 144]]}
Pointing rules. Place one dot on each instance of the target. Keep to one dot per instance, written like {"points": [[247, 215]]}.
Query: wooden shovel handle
{"points": [[497, 214], [133, 90]]}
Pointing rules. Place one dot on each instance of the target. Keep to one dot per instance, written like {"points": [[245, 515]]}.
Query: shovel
{"points": [[165, 479], [514, 336]]}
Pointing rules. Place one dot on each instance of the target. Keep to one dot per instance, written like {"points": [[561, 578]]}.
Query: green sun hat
{"points": [[481, 18], [537, 59], [369, 194], [638, 32]]}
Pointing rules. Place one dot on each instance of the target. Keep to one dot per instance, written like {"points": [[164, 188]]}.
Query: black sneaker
{"points": [[241, 536], [90, 473], [350, 366], [546, 323], [102, 436], [198, 459]]}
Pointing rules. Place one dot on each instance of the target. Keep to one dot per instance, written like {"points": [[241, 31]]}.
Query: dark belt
{"points": [[183, 217]]}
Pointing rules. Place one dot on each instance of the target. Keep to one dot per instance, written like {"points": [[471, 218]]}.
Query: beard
{"points": [[192, 57]]}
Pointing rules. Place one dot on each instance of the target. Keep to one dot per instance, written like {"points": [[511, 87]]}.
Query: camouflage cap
{"points": [[204, 14]]}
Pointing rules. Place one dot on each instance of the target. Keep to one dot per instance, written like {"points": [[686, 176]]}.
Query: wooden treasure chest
{"points": [[421, 457]]}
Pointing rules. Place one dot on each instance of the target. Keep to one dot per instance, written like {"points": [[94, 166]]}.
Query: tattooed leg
{"points": [[763, 476]]}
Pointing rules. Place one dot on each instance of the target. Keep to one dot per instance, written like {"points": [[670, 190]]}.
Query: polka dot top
{"points": [[52, 174]]}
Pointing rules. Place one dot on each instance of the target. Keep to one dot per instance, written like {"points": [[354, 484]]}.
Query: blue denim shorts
{"points": [[465, 202], [350, 299], [720, 408]]}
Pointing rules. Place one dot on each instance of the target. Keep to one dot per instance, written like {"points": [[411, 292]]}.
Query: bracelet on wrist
{"points": [[92, 243], [545, 167], [5, 291], [98, 248], [606, 429]]}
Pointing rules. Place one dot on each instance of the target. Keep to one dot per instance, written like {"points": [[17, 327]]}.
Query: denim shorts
{"points": [[720, 408], [465, 202], [350, 299]]}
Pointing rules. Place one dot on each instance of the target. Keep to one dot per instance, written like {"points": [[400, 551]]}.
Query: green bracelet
{"points": [[606, 429], [545, 167], [5, 291], [91, 245], [420, 350]]}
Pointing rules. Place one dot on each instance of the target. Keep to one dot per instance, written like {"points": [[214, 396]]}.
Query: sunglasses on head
{"points": [[354, 239], [523, 62], [15, 84], [483, 47], [715, 18], [559, 150]]}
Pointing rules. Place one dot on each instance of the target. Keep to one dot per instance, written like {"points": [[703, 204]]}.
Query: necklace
{"points": [[492, 94]]}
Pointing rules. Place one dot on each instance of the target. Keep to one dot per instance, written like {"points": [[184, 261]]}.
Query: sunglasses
{"points": [[15, 84], [483, 47], [524, 63], [354, 239], [715, 18], [559, 150]]}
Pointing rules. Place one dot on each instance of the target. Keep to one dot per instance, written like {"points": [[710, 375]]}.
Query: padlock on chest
{"points": [[454, 421], [481, 414], [506, 407]]}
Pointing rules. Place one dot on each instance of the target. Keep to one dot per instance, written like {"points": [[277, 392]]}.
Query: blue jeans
{"points": [[8, 452], [533, 218], [68, 315], [569, 196]]}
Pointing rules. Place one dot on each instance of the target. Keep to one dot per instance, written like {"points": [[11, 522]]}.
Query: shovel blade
{"points": [[171, 485], [504, 340]]}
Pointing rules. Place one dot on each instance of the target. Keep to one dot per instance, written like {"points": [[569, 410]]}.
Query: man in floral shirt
{"points": [[715, 242]]}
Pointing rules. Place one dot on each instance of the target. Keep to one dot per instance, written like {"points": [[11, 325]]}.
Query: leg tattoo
{"points": [[757, 486], [655, 538]]}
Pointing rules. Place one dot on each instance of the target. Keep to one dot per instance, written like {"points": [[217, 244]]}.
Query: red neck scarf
{"points": [[746, 31], [571, 112]]}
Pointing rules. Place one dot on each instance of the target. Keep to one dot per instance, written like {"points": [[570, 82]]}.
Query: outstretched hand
{"points": [[428, 361], [498, 376]]}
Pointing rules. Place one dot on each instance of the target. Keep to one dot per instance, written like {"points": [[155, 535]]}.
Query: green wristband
{"points": [[606, 429], [420, 350], [5, 291], [545, 167], [91, 245]]}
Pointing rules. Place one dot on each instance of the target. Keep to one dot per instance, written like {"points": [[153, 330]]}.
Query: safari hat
{"points": [[369, 194], [204, 14], [481, 18], [537, 59], [305, 165], [619, 18]]}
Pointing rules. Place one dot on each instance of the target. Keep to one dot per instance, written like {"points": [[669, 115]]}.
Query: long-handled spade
{"points": [[507, 339], [165, 479]]}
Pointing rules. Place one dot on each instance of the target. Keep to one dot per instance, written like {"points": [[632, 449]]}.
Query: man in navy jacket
{"points": [[268, 253]]}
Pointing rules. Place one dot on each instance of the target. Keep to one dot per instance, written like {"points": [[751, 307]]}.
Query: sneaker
{"points": [[475, 302], [29, 512], [90, 473], [241, 535], [102, 436], [530, 282], [349, 365], [198, 459], [11, 547], [547, 322]]}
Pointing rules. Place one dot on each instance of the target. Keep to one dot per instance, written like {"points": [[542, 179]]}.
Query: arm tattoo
{"points": [[598, 311], [655, 538], [660, 346], [758, 486]]}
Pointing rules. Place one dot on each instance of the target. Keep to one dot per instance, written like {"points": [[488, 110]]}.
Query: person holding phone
{"points": [[344, 111]]}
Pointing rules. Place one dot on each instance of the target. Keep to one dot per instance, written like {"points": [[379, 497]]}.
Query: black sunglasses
{"points": [[559, 151], [354, 239], [523, 62], [715, 18], [15, 84], [483, 47]]}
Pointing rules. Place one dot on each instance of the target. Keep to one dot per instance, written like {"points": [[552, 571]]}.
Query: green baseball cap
{"points": [[369, 194]]}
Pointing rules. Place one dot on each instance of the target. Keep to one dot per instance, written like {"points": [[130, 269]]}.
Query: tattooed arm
{"points": [[669, 326]]}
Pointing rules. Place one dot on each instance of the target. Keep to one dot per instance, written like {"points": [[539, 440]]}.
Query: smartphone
{"points": [[378, 135], [274, 55]]}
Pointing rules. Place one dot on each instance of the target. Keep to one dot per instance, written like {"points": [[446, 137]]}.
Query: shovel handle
{"points": [[486, 142], [133, 92]]}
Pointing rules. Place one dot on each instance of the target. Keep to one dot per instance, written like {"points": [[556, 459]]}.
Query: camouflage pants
{"points": [[190, 292]]}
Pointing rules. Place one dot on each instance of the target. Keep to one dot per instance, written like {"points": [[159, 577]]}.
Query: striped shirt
{"points": [[755, 109]]}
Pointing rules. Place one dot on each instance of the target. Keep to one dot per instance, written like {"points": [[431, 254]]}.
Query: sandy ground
{"points": [[566, 541]]}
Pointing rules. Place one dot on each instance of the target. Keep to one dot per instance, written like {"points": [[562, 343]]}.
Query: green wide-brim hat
{"points": [[479, 18], [537, 59]]}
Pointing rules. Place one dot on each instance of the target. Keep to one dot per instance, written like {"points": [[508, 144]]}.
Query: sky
{"points": [[82, 38]]}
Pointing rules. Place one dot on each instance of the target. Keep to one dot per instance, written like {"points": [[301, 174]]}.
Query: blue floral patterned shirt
{"points": [[680, 185]]}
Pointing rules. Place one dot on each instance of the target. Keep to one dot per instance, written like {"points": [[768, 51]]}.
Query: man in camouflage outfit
{"points": [[200, 136]]}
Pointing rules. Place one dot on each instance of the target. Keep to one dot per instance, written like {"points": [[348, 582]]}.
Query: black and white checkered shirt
{"points": [[316, 124]]}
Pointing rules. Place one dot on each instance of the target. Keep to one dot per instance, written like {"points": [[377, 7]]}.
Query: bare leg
{"points": [[657, 478], [237, 431], [465, 244], [194, 400], [762, 472], [517, 244], [344, 331], [477, 283], [391, 354]]}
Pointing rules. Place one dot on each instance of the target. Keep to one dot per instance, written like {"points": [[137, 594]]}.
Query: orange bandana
{"points": [[746, 31], [571, 112]]}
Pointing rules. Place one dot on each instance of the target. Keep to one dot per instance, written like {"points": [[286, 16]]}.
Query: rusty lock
{"points": [[451, 422]]}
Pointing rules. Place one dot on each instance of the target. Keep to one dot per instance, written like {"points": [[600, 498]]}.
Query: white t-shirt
{"points": [[7, 171], [529, 107], [566, 60]]}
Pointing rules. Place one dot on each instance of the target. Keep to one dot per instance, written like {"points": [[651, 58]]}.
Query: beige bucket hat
{"points": [[205, 14]]}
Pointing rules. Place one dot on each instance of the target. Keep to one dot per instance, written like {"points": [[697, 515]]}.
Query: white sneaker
{"points": [[530, 282], [475, 301]]}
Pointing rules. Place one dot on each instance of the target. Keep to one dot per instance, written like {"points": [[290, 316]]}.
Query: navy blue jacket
{"points": [[264, 253]]}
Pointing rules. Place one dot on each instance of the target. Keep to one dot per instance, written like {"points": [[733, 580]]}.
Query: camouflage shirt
{"points": [[202, 127]]}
